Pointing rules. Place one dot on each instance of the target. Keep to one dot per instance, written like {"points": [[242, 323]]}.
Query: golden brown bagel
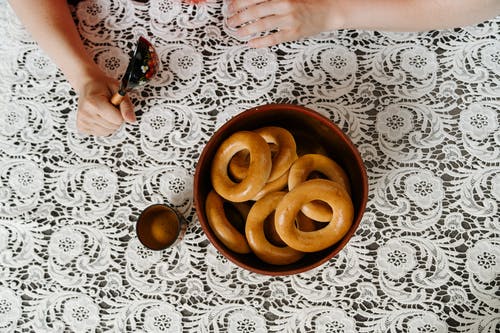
{"points": [[222, 227], [258, 169], [334, 195], [303, 223], [307, 164], [257, 240], [286, 149], [274, 186], [283, 151]]}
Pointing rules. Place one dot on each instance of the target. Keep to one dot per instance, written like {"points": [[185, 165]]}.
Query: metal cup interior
{"points": [[159, 227]]}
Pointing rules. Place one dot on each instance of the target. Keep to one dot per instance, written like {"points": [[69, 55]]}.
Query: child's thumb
{"points": [[127, 111]]}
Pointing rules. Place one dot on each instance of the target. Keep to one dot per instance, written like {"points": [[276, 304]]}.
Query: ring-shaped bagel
{"points": [[258, 170], [287, 149], [254, 231], [334, 195], [309, 163], [238, 166], [283, 151], [223, 229], [303, 223]]}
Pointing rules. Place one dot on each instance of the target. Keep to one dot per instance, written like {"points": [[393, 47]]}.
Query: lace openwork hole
{"points": [[94, 9], [162, 322], [80, 313], [338, 62], [479, 121], [397, 258], [5, 307], [486, 260], [246, 326], [394, 122], [334, 327]]}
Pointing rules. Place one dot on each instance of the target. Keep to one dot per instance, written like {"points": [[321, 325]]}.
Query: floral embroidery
{"points": [[100, 183], [424, 189], [141, 257], [186, 63], [162, 319], [10, 308], [335, 321], [176, 185], [394, 122], [165, 11], [478, 121], [13, 119], [260, 63], [81, 314], [66, 244], [339, 62], [396, 258], [427, 323], [242, 321], [419, 62], [157, 124], [40, 66], [490, 57], [93, 12], [26, 179], [483, 260]]}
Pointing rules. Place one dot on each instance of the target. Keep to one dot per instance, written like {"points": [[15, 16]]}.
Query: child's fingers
{"points": [[261, 26], [270, 40], [257, 12], [127, 110]]}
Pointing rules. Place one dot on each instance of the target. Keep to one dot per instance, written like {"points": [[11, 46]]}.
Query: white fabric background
{"points": [[423, 109]]}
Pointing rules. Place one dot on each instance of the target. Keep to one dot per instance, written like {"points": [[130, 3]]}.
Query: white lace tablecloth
{"points": [[423, 109]]}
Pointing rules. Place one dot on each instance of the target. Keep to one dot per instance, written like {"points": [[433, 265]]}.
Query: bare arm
{"points": [[295, 19], [52, 26], [414, 15]]}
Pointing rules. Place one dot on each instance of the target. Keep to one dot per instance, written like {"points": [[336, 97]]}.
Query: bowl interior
{"points": [[310, 130]]}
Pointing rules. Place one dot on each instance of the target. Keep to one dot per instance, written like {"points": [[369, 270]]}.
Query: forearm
{"points": [[51, 25], [411, 15]]}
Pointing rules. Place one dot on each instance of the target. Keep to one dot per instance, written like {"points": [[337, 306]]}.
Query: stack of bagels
{"points": [[291, 204]]}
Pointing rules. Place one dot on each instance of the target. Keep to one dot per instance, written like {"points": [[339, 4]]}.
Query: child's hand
{"points": [[96, 115], [293, 19]]}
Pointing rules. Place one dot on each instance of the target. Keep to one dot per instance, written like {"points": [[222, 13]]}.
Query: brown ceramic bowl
{"points": [[312, 132]]}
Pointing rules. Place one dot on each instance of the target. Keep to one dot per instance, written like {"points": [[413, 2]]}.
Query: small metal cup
{"points": [[160, 226]]}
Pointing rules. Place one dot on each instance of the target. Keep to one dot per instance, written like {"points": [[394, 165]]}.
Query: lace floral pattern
{"points": [[423, 109]]}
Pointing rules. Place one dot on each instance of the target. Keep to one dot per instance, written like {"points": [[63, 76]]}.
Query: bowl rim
{"points": [[322, 119]]}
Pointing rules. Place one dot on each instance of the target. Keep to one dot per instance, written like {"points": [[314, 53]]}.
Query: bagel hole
{"points": [[234, 217], [238, 165], [316, 175], [304, 223], [274, 149], [325, 206], [271, 233], [319, 225]]}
